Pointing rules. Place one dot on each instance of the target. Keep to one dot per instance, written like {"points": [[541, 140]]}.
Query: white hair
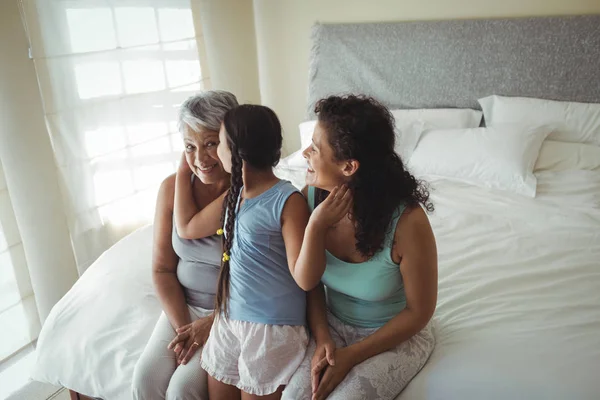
{"points": [[206, 110]]}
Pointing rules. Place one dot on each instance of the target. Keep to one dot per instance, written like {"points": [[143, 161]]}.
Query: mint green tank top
{"points": [[366, 294]]}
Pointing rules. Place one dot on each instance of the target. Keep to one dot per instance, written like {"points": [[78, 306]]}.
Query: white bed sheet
{"points": [[94, 335], [518, 313]]}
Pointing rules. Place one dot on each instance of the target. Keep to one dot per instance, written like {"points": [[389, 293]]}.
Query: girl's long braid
{"points": [[253, 135], [228, 219]]}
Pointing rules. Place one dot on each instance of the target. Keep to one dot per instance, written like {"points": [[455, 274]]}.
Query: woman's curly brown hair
{"points": [[361, 128]]}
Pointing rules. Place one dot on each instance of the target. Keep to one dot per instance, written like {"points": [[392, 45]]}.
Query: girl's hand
{"points": [[190, 338], [324, 356], [333, 375], [183, 164], [336, 206]]}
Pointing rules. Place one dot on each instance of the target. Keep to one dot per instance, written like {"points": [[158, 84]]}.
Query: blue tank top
{"points": [[366, 294], [262, 289]]}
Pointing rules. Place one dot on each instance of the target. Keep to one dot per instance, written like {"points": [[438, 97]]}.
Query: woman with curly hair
{"points": [[370, 239]]}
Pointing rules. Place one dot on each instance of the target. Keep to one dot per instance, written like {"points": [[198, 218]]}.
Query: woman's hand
{"points": [[333, 375], [336, 206], [324, 356], [190, 338]]}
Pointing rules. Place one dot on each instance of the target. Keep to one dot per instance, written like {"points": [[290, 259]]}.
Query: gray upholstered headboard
{"points": [[431, 64]]}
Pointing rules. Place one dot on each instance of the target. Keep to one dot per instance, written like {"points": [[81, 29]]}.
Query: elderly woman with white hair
{"points": [[185, 272]]}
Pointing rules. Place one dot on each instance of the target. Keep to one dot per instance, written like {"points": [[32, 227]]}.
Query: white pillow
{"points": [[306, 132], [498, 157], [407, 138], [562, 156], [438, 118], [294, 160], [409, 125], [575, 122]]}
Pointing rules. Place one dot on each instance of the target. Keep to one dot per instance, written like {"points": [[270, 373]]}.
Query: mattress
{"points": [[518, 313]]}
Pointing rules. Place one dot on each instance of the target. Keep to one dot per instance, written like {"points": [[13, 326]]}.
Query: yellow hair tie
{"points": [[219, 231], [225, 257]]}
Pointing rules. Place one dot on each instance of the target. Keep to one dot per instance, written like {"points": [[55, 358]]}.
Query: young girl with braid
{"points": [[259, 336]]}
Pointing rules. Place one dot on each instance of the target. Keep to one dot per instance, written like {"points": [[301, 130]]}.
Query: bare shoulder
{"points": [[169, 183], [166, 192], [414, 216], [305, 191], [414, 230], [295, 207], [296, 201]]}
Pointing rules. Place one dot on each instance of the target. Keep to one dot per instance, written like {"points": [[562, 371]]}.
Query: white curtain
{"points": [[112, 75], [18, 313]]}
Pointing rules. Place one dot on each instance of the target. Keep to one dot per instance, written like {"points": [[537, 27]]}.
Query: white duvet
{"points": [[518, 313]]}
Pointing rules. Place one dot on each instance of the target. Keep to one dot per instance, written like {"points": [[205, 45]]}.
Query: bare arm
{"points": [[294, 218], [315, 300], [164, 259], [311, 261], [317, 314], [417, 250], [191, 222]]}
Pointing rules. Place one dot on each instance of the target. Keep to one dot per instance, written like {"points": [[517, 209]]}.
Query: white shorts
{"points": [[256, 358]]}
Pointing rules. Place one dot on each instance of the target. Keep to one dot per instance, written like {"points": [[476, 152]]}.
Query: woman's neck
{"points": [[222, 185], [211, 191], [257, 181]]}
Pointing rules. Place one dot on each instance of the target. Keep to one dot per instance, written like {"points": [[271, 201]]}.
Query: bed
{"points": [[518, 314]]}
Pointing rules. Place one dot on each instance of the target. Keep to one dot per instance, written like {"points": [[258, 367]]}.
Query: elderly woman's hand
{"points": [[190, 338]]}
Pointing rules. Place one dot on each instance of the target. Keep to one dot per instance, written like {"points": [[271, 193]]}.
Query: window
{"points": [[155, 52], [112, 76]]}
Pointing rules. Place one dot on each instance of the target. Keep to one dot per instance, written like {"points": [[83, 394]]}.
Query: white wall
{"points": [[230, 46], [283, 41]]}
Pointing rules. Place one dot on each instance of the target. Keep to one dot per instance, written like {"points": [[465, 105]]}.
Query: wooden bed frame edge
{"points": [[77, 396]]}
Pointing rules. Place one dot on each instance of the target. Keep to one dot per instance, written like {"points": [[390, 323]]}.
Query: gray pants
{"points": [[157, 375], [383, 376]]}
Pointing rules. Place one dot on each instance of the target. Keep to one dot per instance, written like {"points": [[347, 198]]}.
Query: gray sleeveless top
{"points": [[198, 268]]}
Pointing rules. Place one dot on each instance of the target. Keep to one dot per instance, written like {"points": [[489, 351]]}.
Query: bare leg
{"points": [[221, 391], [272, 396]]}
